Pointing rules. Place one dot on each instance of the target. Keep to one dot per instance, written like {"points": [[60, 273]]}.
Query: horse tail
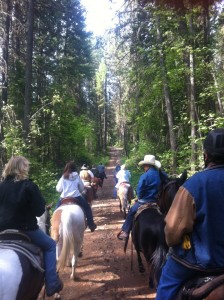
{"points": [[73, 227], [123, 194], [68, 240], [157, 260]]}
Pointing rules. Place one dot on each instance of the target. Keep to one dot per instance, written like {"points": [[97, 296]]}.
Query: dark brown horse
{"points": [[202, 287], [148, 229]]}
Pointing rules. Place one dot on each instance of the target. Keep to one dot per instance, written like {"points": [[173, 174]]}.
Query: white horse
{"points": [[44, 220], [19, 278], [125, 194], [67, 229]]}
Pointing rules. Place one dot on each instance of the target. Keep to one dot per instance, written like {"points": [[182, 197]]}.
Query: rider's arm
{"points": [[81, 186], [180, 218], [59, 186], [140, 186]]}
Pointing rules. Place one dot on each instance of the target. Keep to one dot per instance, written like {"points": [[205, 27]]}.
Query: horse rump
{"points": [[19, 279], [125, 195], [68, 224]]}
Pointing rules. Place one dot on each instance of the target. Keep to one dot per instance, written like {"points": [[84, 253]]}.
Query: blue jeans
{"points": [[127, 226], [48, 246], [173, 276], [81, 201]]}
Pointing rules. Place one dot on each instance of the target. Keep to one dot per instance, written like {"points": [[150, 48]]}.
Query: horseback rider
{"points": [[87, 178], [116, 170], [194, 223], [71, 186], [86, 175], [95, 171], [20, 203], [123, 175], [147, 191], [101, 170]]}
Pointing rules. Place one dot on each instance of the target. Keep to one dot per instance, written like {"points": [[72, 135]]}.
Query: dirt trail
{"points": [[104, 271]]}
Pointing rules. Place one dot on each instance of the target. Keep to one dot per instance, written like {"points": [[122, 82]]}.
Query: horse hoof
{"points": [[80, 254], [72, 277], [57, 296]]}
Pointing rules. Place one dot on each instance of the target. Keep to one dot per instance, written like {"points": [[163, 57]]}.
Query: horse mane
{"points": [[168, 189]]}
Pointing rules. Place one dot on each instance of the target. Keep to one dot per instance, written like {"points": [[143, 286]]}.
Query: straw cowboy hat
{"points": [[150, 160]]}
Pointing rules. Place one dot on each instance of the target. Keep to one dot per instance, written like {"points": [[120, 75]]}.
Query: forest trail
{"points": [[104, 271]]}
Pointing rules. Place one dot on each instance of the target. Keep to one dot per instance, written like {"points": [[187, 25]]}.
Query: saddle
{"points": [[69, 200], [200, 287], [146, 206], [20, 242]]}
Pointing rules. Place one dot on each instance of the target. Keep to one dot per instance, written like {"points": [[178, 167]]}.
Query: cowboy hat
{"points": [[84, 167], [123, 167], [150, 160]]}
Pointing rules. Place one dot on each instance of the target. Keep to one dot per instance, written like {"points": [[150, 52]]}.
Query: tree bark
{"points": [[191, 97], [7, 5], [168, 101], [28, 71], [105, 115]]}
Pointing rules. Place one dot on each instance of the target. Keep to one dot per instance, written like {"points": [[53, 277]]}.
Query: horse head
{"points": [[44, 220], [168, 189]]}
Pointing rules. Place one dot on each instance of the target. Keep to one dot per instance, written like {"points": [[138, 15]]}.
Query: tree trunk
{"points": [[168, 102], [105, 115], [28, 72], [219, 97], [7, 6], [191, 97], [192, 110]]}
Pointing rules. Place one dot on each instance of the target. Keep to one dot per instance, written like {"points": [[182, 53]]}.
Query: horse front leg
{"points": [[120, 206], [124, 212]]}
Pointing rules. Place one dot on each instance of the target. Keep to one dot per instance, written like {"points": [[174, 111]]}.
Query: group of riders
{"points": [[196, 213], [21, 202], [193, 224]]}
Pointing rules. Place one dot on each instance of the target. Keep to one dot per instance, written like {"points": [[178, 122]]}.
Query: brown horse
{"points": [[96, 183]]}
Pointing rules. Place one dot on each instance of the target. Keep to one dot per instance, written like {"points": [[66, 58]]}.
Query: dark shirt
{"points": [[20, 203], [95, 172]]}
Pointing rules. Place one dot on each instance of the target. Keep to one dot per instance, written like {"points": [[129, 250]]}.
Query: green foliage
{"points": [[13, 141], [46, 181]]}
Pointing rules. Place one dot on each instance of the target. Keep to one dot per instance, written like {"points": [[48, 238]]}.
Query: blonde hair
{"points": [[18, 167]]}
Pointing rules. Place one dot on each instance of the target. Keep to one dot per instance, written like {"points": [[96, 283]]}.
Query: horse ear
{"points": [[183, 176], [163, 176]]}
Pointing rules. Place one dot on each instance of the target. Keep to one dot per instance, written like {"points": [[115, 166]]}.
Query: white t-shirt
{"points": [[72, 187], [123, 176]]}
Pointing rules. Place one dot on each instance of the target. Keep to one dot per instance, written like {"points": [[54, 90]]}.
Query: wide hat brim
{"points": [[84, 168], [156, 164]]}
